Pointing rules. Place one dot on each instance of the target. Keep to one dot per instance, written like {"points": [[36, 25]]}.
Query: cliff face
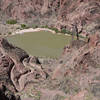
{"points": [[58, 13]]}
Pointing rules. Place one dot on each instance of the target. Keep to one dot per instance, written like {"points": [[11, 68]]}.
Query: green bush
{"points": [[11, 21], [55, 29], [64, 31], [34, 26], [52, 28], [23, 26], [46, 26], [9, 33]]}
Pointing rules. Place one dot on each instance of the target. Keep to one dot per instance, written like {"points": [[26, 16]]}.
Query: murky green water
{"points": [[41, 43]]}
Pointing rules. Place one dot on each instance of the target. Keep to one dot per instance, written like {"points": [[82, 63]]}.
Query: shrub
{"points": [[46, 26], [23, 26], [9, 33], [18, 28], [36, 26], [11, 21], [55, 29], [52, 28], [64, 31]]}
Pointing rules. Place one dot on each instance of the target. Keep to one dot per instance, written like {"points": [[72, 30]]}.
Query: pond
{"points": [[43, 43]]}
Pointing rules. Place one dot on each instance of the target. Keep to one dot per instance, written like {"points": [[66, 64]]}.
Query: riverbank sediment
{"points": [[32, 30]]}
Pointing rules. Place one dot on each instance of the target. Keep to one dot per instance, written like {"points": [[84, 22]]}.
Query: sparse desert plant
{"points": [[11, 21], [52, 28], [64, 31], [46, 26], [9, 33], [23, 26], [34, 26], [55, 29]]}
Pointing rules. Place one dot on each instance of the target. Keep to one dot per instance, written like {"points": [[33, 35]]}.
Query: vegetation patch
{"points": [[11, 21], [65, 31], [23, 26], [9, 33], [34, 26]]}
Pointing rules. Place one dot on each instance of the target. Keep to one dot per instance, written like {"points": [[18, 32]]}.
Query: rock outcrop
{"points": [[15, 69], [75, 76], [81, 65], [6, 94], [56, 13]]}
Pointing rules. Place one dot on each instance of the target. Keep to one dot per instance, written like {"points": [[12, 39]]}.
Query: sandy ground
{"points": [[32, 30]]}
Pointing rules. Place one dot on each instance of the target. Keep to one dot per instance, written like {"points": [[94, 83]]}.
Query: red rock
{"points": [[5, 64], [66, 12], [94, 40], [79, 96]]}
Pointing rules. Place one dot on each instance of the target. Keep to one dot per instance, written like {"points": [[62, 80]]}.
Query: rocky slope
{"points": [[75, 76], [80, 65], [57, 13], [17, 69]]}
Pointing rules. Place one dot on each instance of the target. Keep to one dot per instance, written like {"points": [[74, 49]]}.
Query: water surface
{"points": [[41, 43]]}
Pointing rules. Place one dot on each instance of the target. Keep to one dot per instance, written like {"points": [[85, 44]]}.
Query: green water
{"points": [[41, 43]]}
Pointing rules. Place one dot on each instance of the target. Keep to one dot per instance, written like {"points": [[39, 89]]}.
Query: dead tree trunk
{"points": [[76, 31]]}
